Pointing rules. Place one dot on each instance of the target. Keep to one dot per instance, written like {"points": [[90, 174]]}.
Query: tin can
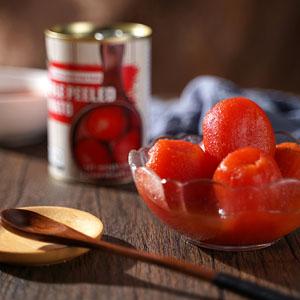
{"points": [[98, 99]]}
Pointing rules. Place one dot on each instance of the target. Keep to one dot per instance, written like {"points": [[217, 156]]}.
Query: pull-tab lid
{"points": [[87, 31]]}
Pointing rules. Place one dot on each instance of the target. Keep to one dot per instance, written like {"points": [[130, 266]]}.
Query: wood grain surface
{"points": [[24, 180]]}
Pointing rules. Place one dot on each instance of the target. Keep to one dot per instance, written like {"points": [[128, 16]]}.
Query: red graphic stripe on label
{"points": [[73, 67]]}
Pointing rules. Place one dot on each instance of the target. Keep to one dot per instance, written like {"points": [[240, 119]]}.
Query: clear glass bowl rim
{"points": [[137, 160], [138, 154]]}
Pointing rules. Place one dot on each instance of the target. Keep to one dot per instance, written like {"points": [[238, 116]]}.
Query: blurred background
{"points": [[252, 42]]}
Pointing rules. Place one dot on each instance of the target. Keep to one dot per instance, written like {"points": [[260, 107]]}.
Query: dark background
{"points": [[252, 42]]}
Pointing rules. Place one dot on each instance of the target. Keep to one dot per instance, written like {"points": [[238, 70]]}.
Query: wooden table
{"points": [[24, 181]]}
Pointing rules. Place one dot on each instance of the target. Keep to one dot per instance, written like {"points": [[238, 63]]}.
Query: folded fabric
{"points": [[185, 115]]}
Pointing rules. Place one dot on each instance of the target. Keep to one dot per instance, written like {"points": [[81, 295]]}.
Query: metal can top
{"points": [[87, 31]]}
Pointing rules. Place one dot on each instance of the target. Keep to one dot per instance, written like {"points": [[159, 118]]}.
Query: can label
{"points": [[97, 113]]}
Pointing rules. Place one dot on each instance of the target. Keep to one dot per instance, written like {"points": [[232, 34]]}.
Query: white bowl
{"points": [[23, 105]]}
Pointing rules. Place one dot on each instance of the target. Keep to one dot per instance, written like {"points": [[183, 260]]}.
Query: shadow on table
{"points": [[128, 187], [276, 265], [38, 150], [94, 267]]}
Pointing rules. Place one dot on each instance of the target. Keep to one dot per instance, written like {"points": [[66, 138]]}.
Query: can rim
{"points": [[88, 31]]}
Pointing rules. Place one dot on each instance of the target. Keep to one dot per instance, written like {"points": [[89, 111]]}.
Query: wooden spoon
{"points": [[36, 226]]}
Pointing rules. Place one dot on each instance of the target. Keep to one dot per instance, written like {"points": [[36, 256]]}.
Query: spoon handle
{"points": [[221, 280], [247, 288], [163, 261]]}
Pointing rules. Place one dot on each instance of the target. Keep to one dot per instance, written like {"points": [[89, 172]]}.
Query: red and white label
{"points": [[74, 86], [97, 107]]}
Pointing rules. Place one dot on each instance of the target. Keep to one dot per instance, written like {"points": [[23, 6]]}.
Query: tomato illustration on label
{"points": [[109, 129]]}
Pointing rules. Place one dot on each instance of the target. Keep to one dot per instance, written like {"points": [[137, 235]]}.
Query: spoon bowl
{"points": [[21, 250]]}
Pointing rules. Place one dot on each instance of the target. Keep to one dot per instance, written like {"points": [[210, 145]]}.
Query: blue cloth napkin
{"points": [[185, 115]]}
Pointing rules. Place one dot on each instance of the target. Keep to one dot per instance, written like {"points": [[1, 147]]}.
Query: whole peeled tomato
{"points": [[178, 160], [244, 177], [181, 161], [89, 153], [287, 156], [130, 140], [236, 123], [107, 122]]}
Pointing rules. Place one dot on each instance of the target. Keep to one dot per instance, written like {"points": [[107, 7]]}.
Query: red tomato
{"points": [[89, 153], [287, 156], [243, 174], [129, 141], [107, 122], [236, 123], [177, 160]]}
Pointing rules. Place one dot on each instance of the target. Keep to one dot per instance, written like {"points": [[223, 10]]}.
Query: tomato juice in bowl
{"points": [[194, 209]]}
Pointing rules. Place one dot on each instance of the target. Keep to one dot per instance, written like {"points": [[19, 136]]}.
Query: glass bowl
{"points": [[192, 208]]}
